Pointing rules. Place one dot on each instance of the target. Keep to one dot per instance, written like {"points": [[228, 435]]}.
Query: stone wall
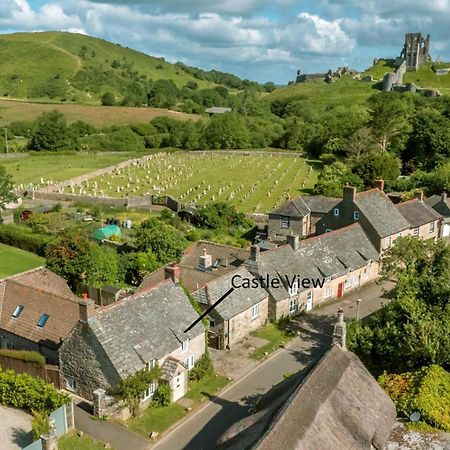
{"points": [[196, 347]]}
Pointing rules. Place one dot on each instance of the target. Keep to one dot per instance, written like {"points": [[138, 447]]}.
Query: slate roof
{"points": [[169, 368], [320, 204], [238, 301], [146, 326], [338, 406], [39, 291], [417, 213], [441, 206], [292, 208], [381, 212]]}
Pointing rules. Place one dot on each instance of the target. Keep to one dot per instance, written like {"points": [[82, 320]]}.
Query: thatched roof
{"points": [[338, 406]]}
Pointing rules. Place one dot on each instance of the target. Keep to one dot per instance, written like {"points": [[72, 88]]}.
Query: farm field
{"points": [[14, 260], [98, 116], [59, 167], [253, 182]]}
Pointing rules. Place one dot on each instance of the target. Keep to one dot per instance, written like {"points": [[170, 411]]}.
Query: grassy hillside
{"points": [[74, 67], [98, 116], [424, 77]]}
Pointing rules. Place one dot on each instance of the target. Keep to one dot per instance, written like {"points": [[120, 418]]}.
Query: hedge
{"points": [[25, 239], [24, 355], [26, 392]]}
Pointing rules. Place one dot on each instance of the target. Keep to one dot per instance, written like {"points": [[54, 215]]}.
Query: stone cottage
{"points": [[243, 311], [441, 204], [134, 334], [37, 312]]}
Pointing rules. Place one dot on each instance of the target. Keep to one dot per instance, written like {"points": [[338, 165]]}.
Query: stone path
{"points": [[119, 437], [15, 429]]}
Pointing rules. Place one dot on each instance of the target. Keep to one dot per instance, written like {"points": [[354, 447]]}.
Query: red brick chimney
{"points": [[172, 271], [380, 184]]}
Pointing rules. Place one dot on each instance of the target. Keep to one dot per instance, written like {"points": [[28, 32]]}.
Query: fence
{"points": [[48, 373]]}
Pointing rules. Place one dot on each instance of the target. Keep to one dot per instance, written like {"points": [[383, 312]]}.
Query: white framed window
{"points": [[416, 231], [150, 391], [366, 273], [293, 306], [336, 212], [293, 290], [432, 227], [389, 242], [328, 292], [356, 215], [189, 362], [285, 222], [71, 384], [255, 311], [185, 345], [152, 364], [348, 283]]}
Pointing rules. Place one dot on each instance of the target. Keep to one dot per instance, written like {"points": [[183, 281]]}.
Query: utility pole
{"points": [[358, 302], [6, 139]]}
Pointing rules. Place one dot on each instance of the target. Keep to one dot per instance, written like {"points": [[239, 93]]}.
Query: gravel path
{"points": [[15, 429]]}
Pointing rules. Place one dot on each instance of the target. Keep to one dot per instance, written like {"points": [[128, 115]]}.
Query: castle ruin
{"points": [[416, 51]]}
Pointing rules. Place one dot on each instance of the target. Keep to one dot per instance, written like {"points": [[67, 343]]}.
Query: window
{"points": [[356, 215], [212, 323], [255, 311], [336, 212], [389, 242], [42, 320], [71, 384], [293, 289], [189, 362], [293, 306], [366, 273], [328, 230], [150, 391], [416, 231], [348, 283], [18, 311], [152, 364], [432, 225], [185, 345], [285, 222], [328, 292]]}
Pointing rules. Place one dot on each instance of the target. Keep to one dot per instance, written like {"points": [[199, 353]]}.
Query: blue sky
{"points": [[257, 39]]}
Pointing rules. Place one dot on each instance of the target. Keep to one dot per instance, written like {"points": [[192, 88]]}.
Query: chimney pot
{"points": [[380, 184], [84, 296], [340, 331]]}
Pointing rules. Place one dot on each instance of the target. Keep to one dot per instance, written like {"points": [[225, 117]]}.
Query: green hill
{"points": [[60, 66]]}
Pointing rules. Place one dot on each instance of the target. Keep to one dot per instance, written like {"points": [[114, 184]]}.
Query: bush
{"points": [[161, 397], [22, 238], [24, 355], [203, 368], [26, 392], [40, 424]]}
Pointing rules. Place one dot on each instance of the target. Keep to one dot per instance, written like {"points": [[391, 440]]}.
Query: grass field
{"points": [[253, 182], [98, 116], [14, 260], [71, 441], [59, 167], [275, 334]]}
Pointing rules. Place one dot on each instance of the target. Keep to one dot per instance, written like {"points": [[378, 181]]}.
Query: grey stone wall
{"points": [[296, 226]]}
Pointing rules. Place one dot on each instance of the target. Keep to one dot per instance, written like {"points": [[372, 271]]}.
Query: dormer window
{"points": [[336, 212], [18, 311], [185, 345], [42, 320], [356, 215], [293, 290]]}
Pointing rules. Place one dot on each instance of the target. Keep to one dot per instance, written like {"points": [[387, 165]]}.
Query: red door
{"points": [[340, 289]]}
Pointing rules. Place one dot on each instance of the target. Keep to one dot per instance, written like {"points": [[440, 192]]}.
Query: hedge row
{"points": [[24, 355], [25, 239], [26, 392]]}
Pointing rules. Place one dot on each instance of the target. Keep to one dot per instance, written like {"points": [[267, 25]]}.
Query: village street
{"points": [[200, 431]]}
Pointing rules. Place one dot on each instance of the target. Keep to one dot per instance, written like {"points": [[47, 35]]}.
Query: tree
{"points": [[361, 143], [226, 131], [6, 188], [333, 178], [371, 167], [51, 133], [220, 215], [108, 99]]}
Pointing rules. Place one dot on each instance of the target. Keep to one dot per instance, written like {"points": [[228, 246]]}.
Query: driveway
{"points": [[15, 429]]}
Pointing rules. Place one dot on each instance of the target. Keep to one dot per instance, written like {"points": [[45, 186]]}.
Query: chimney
{"points": [[419, 195], [380, 184], [293, 241], [86, 308], [340, 331], [208, 298], [205, 262], [172, 271], [444, 197], [349, 193], [254, 253]]}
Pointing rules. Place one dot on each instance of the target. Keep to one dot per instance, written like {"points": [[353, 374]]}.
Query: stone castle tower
{"points": [[416, 50]]}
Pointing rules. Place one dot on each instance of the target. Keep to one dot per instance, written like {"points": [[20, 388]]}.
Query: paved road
{"points": [[15, 428], [204, 427]]}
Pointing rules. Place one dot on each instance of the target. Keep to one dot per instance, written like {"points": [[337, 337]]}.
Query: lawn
{"points": [[14, 260], [160, 419], [275, 334], [71, 441], [252, 181], [59, 167]]}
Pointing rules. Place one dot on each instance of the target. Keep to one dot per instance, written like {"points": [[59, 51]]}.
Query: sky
{"points": [[262, 40]]}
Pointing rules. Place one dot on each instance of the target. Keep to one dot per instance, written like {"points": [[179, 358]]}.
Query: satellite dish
{"points": [[415, 416]]}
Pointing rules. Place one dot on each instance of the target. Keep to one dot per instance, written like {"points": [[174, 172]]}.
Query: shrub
{"points": [[26, 392], [24, 355], [203, 367], [22, 238], [161, 397], [40, 424]]}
